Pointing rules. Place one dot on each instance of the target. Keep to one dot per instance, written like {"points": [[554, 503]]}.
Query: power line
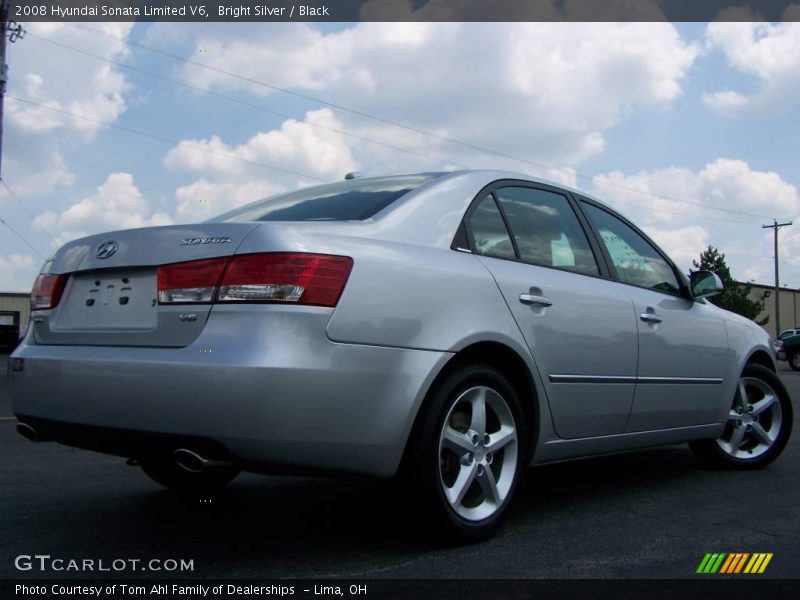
{"points": [[166, 140], [244, 102], [748, 255], [232, 157], [26, 242], [672, 212], [21, 203], [386, 121]]}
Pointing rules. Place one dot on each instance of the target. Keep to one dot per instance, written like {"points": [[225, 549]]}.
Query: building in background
{"points": [[789, 306], [15, 310]]}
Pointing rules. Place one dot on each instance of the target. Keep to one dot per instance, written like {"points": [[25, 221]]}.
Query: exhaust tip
{"points": [[189, 460], [28, 432]]}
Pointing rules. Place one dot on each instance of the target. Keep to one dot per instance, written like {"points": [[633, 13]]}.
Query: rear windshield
{"points": [[352, 200]]}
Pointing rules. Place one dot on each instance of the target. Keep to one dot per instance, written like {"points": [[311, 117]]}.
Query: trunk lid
{"points": [[110, 298]]}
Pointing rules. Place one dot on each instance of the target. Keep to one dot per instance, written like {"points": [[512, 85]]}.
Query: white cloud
{"points": [[682, 245], [651, 190], [72, 83], [734, 184], [724, 183], [204, 199], [768, 52], [57, 78], [36, 169], [533, 90], [118, 204], [17, 272], [305, 153]]}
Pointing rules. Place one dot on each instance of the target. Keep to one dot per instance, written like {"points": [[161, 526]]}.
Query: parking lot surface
{"points": [[650, 514]]}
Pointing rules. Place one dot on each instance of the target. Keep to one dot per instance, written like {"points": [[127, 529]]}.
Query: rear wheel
{"points": [[794, 361], [759, 423], [468, 453], [167, 473]]}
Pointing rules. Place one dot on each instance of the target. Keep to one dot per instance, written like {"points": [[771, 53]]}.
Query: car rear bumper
{"points": [[262, 385]]}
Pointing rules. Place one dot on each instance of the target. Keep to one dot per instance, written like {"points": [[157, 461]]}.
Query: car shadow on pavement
{"points": [[302, 527], [258, 515]]}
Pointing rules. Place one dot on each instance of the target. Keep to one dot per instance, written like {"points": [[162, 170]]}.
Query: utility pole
{"points": [[775, 227], [15, 32], [3, 70]]}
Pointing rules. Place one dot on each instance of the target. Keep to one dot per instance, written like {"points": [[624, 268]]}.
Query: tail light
{"points": [[47, 290], [310, 279], [315, 279], [191, 282]]}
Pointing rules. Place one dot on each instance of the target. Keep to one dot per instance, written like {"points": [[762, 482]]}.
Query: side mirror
{"points": [[705, 284]]}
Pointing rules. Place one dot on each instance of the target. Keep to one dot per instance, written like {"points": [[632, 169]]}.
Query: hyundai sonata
{"points": [[453, 328]]}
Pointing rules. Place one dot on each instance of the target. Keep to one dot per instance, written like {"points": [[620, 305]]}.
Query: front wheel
{"points": [[758, 426], [794, 361], [468, 453]]}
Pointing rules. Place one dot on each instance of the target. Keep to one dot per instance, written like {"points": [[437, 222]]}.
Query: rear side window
{"points": [[546, 230], [352, 200], [489, 234]]}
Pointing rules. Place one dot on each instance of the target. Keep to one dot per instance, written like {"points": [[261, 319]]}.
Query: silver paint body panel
{"points": [[340, 388]]}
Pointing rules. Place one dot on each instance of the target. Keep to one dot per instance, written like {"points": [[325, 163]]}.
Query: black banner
{"points": [[730, 588], [404, 10]]}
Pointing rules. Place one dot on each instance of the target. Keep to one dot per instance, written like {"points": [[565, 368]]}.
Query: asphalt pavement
{"points": [[650, 514]]}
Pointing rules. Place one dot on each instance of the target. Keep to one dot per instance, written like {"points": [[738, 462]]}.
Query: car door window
{"points": [[546, 230], [489, 234], [636, 261]]}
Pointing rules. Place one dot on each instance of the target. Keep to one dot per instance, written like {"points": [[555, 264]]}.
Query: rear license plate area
{"points": [[109, 300]]}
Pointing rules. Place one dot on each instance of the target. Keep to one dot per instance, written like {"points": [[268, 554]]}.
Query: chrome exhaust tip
{"points": [[193, 462], [28, 432]]}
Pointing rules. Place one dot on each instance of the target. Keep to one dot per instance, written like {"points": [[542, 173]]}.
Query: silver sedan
{"points": [[449, 328]]}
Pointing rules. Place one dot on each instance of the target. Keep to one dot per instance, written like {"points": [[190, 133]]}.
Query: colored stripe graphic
{"points": [[734, 563], [758, 563], [711, 562], [727, 564], [740, 563]]}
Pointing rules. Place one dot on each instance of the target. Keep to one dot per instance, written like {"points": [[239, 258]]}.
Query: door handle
{"points": [[650, 317], [537, 300]]}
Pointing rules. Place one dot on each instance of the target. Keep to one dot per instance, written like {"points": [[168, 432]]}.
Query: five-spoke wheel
{"points": [[468, 451], [758, 425], [754, 421], [478, 453]]}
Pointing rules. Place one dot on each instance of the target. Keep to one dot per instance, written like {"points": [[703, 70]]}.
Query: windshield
{"points": [[351, 200]]}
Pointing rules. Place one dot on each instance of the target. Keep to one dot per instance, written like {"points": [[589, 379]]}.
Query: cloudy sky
{"points": [[691, 130]]}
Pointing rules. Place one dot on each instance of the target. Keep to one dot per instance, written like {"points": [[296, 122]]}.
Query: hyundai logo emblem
{"points": [[107, 249]]}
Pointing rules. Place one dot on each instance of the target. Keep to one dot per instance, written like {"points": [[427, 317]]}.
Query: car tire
{"points": [[758, 427], [794, 360], [462, 468], [166, 472]]}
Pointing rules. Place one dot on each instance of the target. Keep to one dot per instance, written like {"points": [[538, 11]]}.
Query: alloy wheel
{"points": [[478, 453], [754, 421]]}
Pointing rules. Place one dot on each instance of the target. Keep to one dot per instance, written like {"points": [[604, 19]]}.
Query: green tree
{"points": [[735, 297]]}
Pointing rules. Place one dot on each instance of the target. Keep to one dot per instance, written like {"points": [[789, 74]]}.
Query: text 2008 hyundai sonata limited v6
{"points": [[451, 327]]}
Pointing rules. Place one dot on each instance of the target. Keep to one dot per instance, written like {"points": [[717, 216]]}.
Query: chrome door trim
{"points": [[681, 380], [592, 379], [633, 379]]}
